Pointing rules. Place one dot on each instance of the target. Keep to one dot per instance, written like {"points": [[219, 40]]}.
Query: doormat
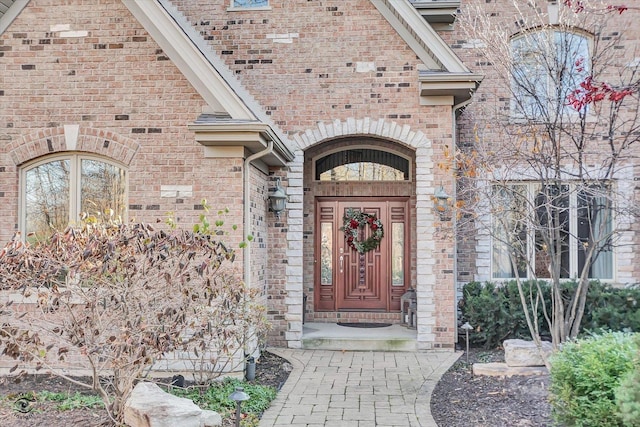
{"points": [[364, 325]]}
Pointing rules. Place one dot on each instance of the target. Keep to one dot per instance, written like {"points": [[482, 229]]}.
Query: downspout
{"points": [[247, 208], [454, 224]]}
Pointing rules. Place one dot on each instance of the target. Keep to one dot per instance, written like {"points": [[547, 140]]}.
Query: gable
{"points": [[446, 78], [230, 114], [233, 110]]}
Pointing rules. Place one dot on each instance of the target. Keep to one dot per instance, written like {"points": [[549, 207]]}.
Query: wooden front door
{"points": [[351, 281]]}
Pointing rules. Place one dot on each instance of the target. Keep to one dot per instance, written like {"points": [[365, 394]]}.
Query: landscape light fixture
{"points": [[238, 396], [467, 327]]}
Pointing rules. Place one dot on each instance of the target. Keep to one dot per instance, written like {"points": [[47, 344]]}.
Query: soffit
{"points": [[446, 76], [441, 14], [9, 9]]}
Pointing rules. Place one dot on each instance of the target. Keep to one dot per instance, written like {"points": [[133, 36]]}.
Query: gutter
{"points": [[247, 208], [454, 219]]}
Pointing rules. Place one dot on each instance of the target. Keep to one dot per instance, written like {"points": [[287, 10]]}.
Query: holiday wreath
{"points": [[353, 222]]}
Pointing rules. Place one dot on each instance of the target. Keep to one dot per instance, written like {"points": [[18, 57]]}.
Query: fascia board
{"points": [[12, 13], [206, 80], [420, 36]]}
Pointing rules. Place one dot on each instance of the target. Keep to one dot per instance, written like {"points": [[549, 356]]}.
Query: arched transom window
{"points": [[548, 65], [362, 164], [56, 190]]}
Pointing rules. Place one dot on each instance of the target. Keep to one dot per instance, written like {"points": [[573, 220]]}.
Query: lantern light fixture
{"points": [[442, 199], [278, 199]]}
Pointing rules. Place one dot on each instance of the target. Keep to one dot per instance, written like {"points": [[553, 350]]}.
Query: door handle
{"points": [[341, 263]]}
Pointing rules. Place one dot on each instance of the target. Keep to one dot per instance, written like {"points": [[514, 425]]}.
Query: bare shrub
{"points": [[116, 299]]}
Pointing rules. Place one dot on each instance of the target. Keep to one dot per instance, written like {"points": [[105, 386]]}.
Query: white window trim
{"points": [[573, 241], [515, 116], [233, 8], [75, 159]]}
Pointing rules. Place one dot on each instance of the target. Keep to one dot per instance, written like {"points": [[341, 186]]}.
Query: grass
{"points": [[67, 401], [216, 397]]}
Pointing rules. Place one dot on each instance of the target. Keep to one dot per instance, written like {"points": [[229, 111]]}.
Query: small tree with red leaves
{"points": [[547, 173]]}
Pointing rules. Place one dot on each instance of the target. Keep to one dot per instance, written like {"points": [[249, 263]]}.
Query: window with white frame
{"points": [[247, 4], [548, 65], [56, 190], [534, 223]]}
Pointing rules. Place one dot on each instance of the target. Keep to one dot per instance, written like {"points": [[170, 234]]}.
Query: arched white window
{"points": [[547, 65], [56, 190]]}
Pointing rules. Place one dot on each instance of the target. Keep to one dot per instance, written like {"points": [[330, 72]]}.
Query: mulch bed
{"points": [[461, 399]]}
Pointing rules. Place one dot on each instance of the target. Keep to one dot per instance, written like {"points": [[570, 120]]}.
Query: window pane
{"points": [[250, 3], [326, 253], [362, 172], [397, 254], [594, 231], [362, 164], [552, 230], [530, 77], [572, 51], [547, 67], [509, 232], [47, 198], [102, 188]]}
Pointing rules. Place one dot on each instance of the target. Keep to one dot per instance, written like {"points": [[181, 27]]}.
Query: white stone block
{"points": [[525, 353]]}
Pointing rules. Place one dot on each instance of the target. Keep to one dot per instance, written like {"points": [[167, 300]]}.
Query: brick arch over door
{"points": [[424, 214], [73, 138]]}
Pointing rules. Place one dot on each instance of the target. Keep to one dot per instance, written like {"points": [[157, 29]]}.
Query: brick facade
{"points": [[86, 76], [617, 53]]}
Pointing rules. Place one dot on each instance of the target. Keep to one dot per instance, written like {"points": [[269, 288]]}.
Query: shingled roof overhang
{"points": [[9, 9], [460, 86], [439, 13]]}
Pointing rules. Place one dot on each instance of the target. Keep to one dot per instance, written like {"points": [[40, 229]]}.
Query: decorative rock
{"points": [[499, 369], [150, 406], [525, 353], [210, 418]]}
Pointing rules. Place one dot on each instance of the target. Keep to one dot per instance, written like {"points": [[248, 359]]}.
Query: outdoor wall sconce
{"points": [[278, 199], [441, 200]]}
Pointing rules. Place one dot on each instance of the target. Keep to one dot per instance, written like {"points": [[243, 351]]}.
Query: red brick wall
{"points": [[116, 79], [493, 95], [300, 61]]}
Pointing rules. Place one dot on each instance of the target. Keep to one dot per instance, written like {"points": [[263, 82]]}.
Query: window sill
{"points": [[247, 9]]}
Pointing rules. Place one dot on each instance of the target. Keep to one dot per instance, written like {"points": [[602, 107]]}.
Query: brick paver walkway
{"points": [[357, 389]]}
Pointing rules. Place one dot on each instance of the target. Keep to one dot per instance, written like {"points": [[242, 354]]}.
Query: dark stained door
{"points": [[352, 281]]}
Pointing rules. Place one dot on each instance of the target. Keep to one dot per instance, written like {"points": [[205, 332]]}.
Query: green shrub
{"points": [[609, 308], [585, 375], [495, 311], [628, 393], [628, 398]]}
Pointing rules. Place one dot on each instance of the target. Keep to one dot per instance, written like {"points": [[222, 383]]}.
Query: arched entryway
{"points": [[434, 289], [344, 177]]}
